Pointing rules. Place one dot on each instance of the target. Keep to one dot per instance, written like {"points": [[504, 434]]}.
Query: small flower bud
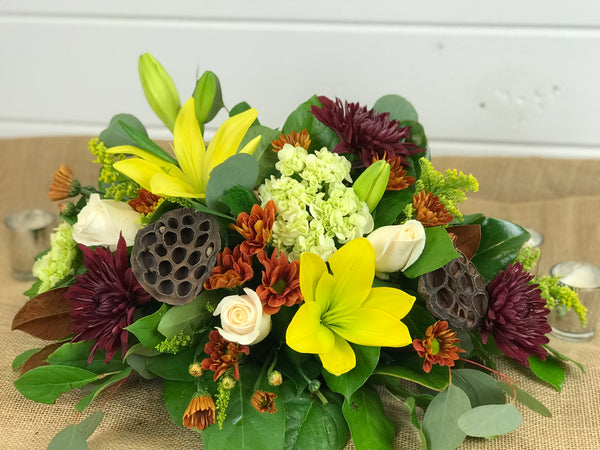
{"points": [[207, 97], [228, 382], [195, 370], [75, 188], [314, 386], [67, 208], [275, 378], [370, 185]]}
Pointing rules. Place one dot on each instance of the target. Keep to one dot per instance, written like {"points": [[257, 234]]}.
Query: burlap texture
{"points": [[560, 198]]}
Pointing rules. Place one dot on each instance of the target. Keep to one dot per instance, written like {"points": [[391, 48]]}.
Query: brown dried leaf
{"points": [[468, 238], [46, 316], [40, 358]]}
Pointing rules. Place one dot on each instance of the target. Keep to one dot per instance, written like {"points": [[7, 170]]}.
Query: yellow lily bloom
{"points": [[341, 306], [189, 178]]}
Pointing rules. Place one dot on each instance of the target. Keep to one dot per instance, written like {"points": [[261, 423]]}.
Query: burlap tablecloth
{"points": [[560, 198]]}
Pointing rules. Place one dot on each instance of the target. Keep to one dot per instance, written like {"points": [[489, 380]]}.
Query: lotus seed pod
{"points": [[173, 256], [456, 293]]}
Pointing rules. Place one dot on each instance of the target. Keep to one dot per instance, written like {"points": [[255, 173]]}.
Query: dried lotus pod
{"points": [[456, 293], [173, 256]]}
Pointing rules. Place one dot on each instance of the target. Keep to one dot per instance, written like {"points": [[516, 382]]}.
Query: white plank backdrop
{"points": [[502, 78]]}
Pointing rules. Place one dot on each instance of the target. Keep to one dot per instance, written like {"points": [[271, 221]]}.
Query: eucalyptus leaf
{"points": [[264, 154], [75, 436], [240, 169], [187, 318], [369, 426], [302, 118], [481, 388], [398, 107], [438, 251], [440, 422], [115, 378], [114, 135], [417, 135], [549, 370], [525, 398], [412, 369], [45, 384], [146, 328], [490, 420], [347, 383]]}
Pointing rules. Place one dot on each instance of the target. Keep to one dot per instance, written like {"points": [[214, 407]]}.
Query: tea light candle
{"points": [[578, 275]]}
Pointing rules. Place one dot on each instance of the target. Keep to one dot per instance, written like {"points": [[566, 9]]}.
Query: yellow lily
{"points": [[342, 306], [189, 178]]}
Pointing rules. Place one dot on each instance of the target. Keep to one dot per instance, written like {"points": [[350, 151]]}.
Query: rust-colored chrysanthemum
{"points": [[146, 202], [438, 347], [200, 413], [256, 228], [63, 186], [398, 179], [222, 355], [264, 402], [301, 139], [364, 132], [233, 269], [280, 283], [429, 210]]}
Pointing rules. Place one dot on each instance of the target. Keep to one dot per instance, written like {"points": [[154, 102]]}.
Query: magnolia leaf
{"points": [[75, 436], [438, 251], [525, 398], [440, 423], [46, 316], [39, 358], [369, 426], [114, 135], [115, 378], [411, 368], [481, 388], [390, 206], [467, 240], [44, 384], [398, 107], [239, 169], [347, 383], [76, 354], [549, 370], [490, 420], [145, 328]]}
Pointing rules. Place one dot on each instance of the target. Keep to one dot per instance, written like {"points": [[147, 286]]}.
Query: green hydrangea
{"points": [[57, 264]]}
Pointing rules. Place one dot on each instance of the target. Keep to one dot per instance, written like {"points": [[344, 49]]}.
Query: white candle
{"points": [[578, 275]]}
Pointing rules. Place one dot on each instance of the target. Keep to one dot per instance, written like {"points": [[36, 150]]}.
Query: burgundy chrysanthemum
{"points": [[517, 315], [104, 298], [364, 132]]}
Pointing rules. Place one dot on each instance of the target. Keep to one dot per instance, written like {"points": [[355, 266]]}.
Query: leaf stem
{"points": [[512, 383]]}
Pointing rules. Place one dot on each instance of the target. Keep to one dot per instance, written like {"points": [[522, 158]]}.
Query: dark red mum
{"points": [[104, 299], [517, 315], [364, 132]]}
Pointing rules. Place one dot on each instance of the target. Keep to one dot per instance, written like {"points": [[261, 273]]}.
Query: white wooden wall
{"points": [[516, 77]]}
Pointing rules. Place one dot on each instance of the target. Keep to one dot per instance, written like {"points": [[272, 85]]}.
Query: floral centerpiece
{"points": [[280, 281]]}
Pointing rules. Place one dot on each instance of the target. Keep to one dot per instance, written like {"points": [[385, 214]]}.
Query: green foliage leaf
{"points": [[76, 354], [301, 118], [549, 370], [145, 328], [136, 358], [369, 426], [115, 135], [20, 359], [490, 420], [263, 153], [240, 169], [390, 206], [347, 383], [411, 369], [188, 318], [172, 367], [481, 388], [177, 396], [311, 424], [145, 143], [500, 244], [75, 436], [410, 403], [440, 423], [525, 398], [438, 251], [115, 378], [44, 384], [240, 108], [399, 391], [296, 366], [239, 199], [399, 108], [562, 357], [417, 136]]}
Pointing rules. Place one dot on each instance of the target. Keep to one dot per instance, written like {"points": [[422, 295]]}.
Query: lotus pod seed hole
{"points": [[188, 219], [187, 235], [166, 287], [181, 273], [184, 289], [161, 229], [149, 239], [147, 260], [165, 268], [150, 277], [178, 254], [201, 240], [170, 238], [161, 250], [204, 226], [199, 272], [194, 258], [172, 222], [445, 298]]}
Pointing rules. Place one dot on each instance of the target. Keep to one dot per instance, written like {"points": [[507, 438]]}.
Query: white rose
{"points": [[242, 318], [397, 247], [101, 221]]}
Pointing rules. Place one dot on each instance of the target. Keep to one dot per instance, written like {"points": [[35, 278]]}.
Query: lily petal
{"points": [[306, 334], [251, 146], [168, 186], [312, 267], [323, 292], [188, 145], [393, 301], [147, 156], [372, 327], [139, 170], [340, 359]]}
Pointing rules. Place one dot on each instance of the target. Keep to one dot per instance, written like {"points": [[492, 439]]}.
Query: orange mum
{"points": [[222, 355], [398, 179], [200, 413], [146, 202], [438, 346], [280, 282], [233, 269], [430, 211], [62, 184], [256, 228], [264, 402], [301, 139]]}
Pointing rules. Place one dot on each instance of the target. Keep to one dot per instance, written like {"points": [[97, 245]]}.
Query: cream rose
{"points": [[242, 318], [101, 221], [397, 247]]}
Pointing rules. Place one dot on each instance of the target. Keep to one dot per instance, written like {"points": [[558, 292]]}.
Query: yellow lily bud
{"points": [[207, 97], [370, 185], [159, 89]]}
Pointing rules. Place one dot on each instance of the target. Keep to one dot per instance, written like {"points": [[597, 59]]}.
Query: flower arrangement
{"points": [[280, 281]]}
